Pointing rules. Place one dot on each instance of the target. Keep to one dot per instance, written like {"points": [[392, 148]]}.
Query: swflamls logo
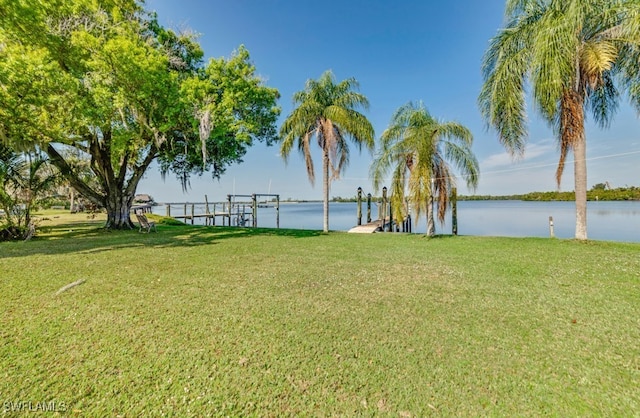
{"points": [[34, 406]]}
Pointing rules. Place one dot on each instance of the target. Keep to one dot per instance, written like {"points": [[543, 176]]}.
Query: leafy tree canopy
{"points": [[105, 79]]}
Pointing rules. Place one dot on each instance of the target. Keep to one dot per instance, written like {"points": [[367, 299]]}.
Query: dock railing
{"points": [[385, 221], [237, 210]]}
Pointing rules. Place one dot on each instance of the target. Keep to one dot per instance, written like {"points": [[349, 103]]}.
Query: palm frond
{"points": [[443, 183], [604, 100], [305, 150], [465, 161], [352, 123], [502, 97], [596, 58], [571, 126], [398, 198]]}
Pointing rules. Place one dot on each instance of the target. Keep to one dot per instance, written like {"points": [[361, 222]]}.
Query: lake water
{"points": [[611, 221]]}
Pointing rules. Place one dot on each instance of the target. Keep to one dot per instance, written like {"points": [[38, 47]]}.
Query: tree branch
{"points": [[67, 172], [139, 170]]}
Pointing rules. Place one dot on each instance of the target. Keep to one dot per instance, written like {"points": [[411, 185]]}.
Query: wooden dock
{"points": [[234, 212], [208, 216], [369, 228], [379, 225]]}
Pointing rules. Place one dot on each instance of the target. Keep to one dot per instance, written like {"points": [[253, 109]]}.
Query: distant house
{"points": [[143, 199]]}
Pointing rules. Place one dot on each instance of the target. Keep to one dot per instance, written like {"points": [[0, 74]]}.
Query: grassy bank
{"points": [[196, 321]]}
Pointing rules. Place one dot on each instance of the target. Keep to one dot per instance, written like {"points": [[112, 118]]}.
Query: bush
{"points": [[164, 220], [53, 203], [13, 233]]}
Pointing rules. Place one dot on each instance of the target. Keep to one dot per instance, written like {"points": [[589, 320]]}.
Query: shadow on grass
{"points": [[439, 236], [89, 238]]}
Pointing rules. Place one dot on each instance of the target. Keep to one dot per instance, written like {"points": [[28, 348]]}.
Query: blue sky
{"points": [[429, 51]]}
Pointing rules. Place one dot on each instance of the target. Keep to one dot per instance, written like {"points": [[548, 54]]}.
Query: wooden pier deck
{"points": [[234, 212], [202, 215], [368, 228]]}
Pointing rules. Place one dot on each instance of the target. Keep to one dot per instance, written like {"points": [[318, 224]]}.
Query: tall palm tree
{"points": [[329, 112], [417, 148], [575, 54]]}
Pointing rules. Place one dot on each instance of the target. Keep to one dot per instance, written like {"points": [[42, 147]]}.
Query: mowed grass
{"points": [[197, 321]]}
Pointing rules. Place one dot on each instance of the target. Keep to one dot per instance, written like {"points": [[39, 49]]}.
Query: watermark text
{"points": [[34, 406]]}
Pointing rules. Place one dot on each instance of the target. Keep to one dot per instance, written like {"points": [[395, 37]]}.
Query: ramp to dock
{"points": [[369, 228]]}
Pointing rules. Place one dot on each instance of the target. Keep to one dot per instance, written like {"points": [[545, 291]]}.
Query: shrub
{"points": [[164, 220], [13, 232]]}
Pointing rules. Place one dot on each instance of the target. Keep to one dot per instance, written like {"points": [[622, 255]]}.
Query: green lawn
{"points": [[196, 321]]}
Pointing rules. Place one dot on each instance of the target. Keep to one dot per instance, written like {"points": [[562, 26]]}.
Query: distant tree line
{"points": [[599, 192], [596, 193]]}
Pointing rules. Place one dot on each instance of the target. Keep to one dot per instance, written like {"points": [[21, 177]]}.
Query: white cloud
{"points": [[532, 151]]}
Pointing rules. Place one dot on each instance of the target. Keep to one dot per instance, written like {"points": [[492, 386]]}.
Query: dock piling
{"points": [[359, 198], [385, 221], [383, 209], [454, 211], [206, 210], [254, 210]]}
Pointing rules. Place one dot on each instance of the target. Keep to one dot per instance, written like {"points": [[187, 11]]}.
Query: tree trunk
{"points": [[431, 226], [573, 138], [116, 192], [580, 174], [325, 189], [118, 206], [72, 199]]}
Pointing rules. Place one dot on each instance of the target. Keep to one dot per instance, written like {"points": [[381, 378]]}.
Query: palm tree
{"points": [[24, 182], [10, 163], [416, 148], [571, 53], [36, 178], [327, 111]]}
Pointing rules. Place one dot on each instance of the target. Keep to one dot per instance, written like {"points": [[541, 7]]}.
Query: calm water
{"points": [[611, 221]]}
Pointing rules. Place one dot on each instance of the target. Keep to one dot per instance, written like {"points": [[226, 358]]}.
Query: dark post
{"points": [[192, 213], [368, 207], [278, 211], [359, 205], [168, 206], [229, 210], [383, 209], [254, 210], [454, 211], [206, 210]]}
